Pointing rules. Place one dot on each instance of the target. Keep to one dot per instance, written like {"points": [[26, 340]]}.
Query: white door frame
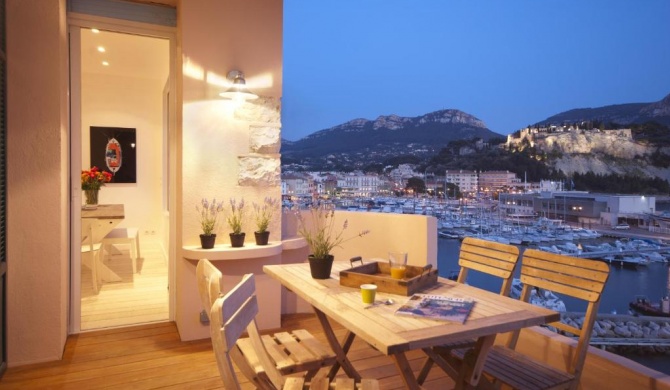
{"points": [[76, 22]]}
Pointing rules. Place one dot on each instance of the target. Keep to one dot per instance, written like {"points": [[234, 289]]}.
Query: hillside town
{"points": [[404, 190]]}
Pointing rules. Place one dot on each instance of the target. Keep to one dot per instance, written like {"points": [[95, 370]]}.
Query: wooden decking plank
{"points": [[152, 357]]}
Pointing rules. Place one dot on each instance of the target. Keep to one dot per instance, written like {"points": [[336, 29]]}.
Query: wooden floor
{"points": [[137, 299], [152, 357]]}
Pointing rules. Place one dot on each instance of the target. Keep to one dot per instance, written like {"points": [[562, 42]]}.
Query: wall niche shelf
{"points": [[248, 251], [226, 252]]}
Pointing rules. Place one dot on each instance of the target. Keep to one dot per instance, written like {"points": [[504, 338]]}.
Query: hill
{"points": [[361, 141], [619, 114]]}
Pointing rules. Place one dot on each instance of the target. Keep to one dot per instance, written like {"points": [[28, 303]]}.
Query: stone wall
{"points": [[261, 166], [627, 327]]}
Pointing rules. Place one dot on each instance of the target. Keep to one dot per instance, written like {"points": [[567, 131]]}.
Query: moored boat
{"points": [[643, 306]]}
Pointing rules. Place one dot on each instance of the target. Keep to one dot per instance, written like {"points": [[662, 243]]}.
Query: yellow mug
{"points": [[368, 293]]}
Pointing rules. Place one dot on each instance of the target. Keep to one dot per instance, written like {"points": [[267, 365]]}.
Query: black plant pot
{"points": [[237, 240], [207, 241], [262, 237], [320, 268]]}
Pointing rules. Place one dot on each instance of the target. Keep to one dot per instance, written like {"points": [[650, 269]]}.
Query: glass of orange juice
{"points": [[398, 262]]}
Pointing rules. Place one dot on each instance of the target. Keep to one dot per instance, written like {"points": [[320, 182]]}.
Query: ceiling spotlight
{"points": [[101, 49], [239, 90], [105, 63]]}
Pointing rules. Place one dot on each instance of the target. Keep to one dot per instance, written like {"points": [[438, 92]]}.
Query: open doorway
{"points": [[120, 83]]}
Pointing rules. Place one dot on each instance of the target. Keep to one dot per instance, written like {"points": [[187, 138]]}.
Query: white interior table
{"points": [[394, 335]]}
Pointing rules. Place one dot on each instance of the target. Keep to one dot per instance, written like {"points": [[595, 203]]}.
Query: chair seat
{"points": [[297, 351], [129, 236], [519, 371], [295, 383]]}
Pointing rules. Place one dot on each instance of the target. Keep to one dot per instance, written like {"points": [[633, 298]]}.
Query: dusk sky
{"points": [[509, 63]]}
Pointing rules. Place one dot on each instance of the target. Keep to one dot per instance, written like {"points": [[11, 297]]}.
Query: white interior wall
{"points": [[134, 102]]}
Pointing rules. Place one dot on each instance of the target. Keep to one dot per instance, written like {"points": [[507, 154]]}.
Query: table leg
{"points": [[405, 370], [434, 357], [340, 352], [348, 340]]}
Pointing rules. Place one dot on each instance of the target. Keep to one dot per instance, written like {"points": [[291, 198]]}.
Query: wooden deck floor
{"points": [[152, 357], [137, 299]]}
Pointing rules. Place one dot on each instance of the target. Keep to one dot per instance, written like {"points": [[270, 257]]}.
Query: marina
{"points": [[483, 219]]}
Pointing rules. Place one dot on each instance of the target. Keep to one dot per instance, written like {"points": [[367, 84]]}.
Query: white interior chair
{"points": [[124, 236], [90, 250]]}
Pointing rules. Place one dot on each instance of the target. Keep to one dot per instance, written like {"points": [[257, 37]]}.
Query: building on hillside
{"points": [[296, 184], [496, 180], [361, 184], [466, 181], [330, 186], [401, 174], [537, 135], [435, 184]]}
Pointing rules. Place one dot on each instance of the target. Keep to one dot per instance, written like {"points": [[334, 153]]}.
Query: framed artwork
{"points": [[114, 149]]}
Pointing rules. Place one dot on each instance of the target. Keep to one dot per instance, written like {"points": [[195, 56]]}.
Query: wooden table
{"points": [[394, 335], [107, 217]]}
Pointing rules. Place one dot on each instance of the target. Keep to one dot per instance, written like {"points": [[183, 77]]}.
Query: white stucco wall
{"points": [[217, 37]]}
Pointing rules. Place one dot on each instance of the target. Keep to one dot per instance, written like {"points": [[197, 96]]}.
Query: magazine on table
{"points": [[437, 307]]}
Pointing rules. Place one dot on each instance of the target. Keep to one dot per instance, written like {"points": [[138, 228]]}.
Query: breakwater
{"points": [[625, 334]]}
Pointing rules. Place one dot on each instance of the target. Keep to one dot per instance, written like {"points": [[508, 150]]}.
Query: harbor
{"points": [[621, 245]]}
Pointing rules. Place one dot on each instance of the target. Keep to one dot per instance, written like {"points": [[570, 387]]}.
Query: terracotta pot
{"points": [[207, 241], [237, 240], [320, 268], [262, 237]]}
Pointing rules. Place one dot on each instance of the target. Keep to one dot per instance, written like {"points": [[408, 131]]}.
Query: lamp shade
{"points": [[239, 90]]}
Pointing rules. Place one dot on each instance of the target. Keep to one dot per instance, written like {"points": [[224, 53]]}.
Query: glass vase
{"points": [[91, 197]]}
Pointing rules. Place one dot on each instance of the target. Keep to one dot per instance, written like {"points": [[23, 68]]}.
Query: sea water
{"points": [[622, 286]]}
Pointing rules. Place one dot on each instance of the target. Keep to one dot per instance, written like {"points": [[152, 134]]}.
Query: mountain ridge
{"points": [[430, 132], [622, 114], [391, 139]]}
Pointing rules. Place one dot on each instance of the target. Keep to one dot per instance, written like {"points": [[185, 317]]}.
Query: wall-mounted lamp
{"points": [[239, 90]]}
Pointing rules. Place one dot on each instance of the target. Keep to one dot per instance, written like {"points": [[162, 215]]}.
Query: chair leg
{"points": [[93, 261], [137, 252], [133, 253]]}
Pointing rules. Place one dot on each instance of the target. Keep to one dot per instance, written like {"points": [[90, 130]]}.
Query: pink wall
{"points": [[37, 223]]}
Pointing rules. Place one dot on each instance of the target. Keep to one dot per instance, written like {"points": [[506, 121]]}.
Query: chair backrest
{"points": [[231, 315], [579, 278], [489, 257], [209, 283]]}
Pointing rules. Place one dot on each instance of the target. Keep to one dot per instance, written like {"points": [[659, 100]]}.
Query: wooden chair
{"points": [[579, 278], [485, 256], [128, 236], [297, 351], [209, 283], [236, 312]]}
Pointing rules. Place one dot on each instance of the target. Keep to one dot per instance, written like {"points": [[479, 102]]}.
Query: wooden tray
{"points": [[379, 273]]}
